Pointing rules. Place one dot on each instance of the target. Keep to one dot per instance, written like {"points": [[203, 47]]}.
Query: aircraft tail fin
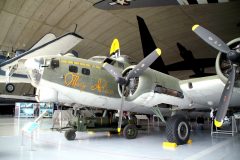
{"points": [[115, 48], [187, 55], [148, 45]]}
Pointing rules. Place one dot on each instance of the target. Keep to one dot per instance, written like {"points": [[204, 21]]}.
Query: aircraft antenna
{"points": [[75, 28]]}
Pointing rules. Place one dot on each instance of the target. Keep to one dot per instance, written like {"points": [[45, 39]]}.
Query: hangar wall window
{"points": [[85, 71], [73, 69]]}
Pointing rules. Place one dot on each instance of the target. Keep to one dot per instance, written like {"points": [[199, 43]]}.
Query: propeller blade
{"points": [[115, 48], [225, 98], [148, 45], [121, 110], [113, 71], [211, 39], [144, 64]]}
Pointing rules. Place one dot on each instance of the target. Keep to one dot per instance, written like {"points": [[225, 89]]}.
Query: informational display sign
{"points": [[46, 107], [29, 110], [24, 110], [31, 126]]}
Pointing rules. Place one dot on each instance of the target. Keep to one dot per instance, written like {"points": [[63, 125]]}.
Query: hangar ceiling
{"points": [[24, 22]]}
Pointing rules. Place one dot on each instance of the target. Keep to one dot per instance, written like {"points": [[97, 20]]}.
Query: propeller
{"points": [[234, 58], [135, 72]]}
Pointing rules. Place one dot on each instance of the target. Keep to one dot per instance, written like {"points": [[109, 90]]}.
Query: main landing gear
{"points": [[178, 130]]}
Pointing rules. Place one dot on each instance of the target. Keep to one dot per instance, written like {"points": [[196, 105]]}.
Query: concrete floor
{"points": [[52, 145]]}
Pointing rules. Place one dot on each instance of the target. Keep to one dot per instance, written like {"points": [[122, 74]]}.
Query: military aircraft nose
{"points": [[34, 63], [33, 66]]}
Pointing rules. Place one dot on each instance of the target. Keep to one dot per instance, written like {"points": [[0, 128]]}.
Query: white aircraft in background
{"points": [[21, 76], [18, 77], [114, 83]]}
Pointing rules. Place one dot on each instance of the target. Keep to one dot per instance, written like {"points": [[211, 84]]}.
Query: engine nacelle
{"points": [[150, 81], [223, 66], [45, 94]]}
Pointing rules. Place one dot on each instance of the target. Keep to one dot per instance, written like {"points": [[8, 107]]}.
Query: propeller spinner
{"points": [[234, 58]]}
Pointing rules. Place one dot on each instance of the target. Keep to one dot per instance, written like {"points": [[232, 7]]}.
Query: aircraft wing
{"points": [[53, 47], [183, 65], [206, 92], [45, 39]]}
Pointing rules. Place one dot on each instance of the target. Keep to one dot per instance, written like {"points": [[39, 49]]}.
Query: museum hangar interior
{"points": [[119, 79]]}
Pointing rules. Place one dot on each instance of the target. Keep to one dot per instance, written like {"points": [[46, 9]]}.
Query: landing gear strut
{"points": [[9, 87], [178, 130]]}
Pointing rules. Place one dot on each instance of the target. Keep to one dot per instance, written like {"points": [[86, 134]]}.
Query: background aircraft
{"points": [[126, 4], [168, 24], [189, 63], [20, 76]]}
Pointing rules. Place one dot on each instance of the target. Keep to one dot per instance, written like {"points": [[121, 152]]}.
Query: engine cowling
{"points": [[150, 81], [138, 85], [223, 66]]}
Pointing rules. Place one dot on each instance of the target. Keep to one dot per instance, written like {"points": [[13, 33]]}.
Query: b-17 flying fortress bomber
{"points": [[117, 83]]}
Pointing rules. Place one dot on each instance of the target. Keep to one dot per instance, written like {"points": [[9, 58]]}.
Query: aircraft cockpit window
{"points": [[85, 71], [73, 69], [109, 61]]}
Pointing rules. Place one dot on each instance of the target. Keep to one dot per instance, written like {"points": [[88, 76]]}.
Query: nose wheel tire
{"points": [[70, 134], [9, 87], [130, 131], [178, 130]]}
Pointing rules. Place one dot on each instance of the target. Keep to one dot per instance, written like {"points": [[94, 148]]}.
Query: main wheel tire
{"points": [[130, 131], [70, 134], [9, 87], [178, 130]]}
